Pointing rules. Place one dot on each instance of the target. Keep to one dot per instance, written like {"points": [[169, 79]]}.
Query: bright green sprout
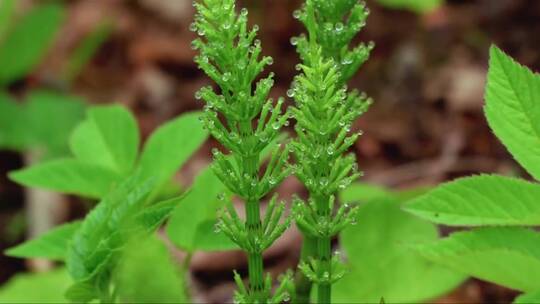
{"points": [[245, 121], [325, 111]]}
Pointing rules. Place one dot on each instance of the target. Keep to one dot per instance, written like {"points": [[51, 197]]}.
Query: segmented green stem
{"points": [[324, 252], [303, 283]]}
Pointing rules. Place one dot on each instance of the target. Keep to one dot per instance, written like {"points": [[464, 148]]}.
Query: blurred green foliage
{"points": [[26, 41], [417, 6]]}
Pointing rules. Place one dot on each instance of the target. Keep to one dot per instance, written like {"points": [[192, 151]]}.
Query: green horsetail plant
{"points": [[245, 121], [325, 111]]}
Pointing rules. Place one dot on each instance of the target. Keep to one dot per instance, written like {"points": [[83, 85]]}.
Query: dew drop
{"points": [[290, 93]]}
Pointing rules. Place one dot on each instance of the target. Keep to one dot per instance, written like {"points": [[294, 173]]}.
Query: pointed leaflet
{"points": [[26, 43], [382, 265], [108, 137], [513, 109], [479, 201], [170, 146], [52, 244], [508, 256], [100, 234], [152, 217], [68, 176]]}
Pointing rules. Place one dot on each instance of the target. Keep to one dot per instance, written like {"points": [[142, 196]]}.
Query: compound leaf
{"points": [[52, 244], [479, 201], [513, 109], [508, 256]]}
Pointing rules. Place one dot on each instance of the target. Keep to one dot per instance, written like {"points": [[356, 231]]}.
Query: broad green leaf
{"points": [[92, 254], [27, 42], [513, 109], [358, 192], [52, 244], [47, 287], [118, 130], [50, 118], [382, 264], [108, 137], [148, 274], [170, 146], [508, 256], [479, 201], [68, 176], [418, 6], [13, 129], [192, 216], [528, 298]]}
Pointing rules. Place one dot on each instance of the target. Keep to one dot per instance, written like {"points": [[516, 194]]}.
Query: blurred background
{"points": [[426, 75]]}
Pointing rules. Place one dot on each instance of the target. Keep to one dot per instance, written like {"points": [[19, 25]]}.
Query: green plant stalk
{"points": [[303, 283], [325, 111], [254, 229], [324, 251]]}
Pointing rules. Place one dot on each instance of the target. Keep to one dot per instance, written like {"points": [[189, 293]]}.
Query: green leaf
{"points": [[513, 109], [93, 248], [528, 298], [52, 244], [86, 50], [27, 42], [170, 146], [7, 9], [507, 256], [480, 201], [190, 220], [417, 6], [46, 287], [68, 176], [148, 274], [109, 137], [152, 217], [51, 117], [13, 133], [358, 192], [382, 265]]}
